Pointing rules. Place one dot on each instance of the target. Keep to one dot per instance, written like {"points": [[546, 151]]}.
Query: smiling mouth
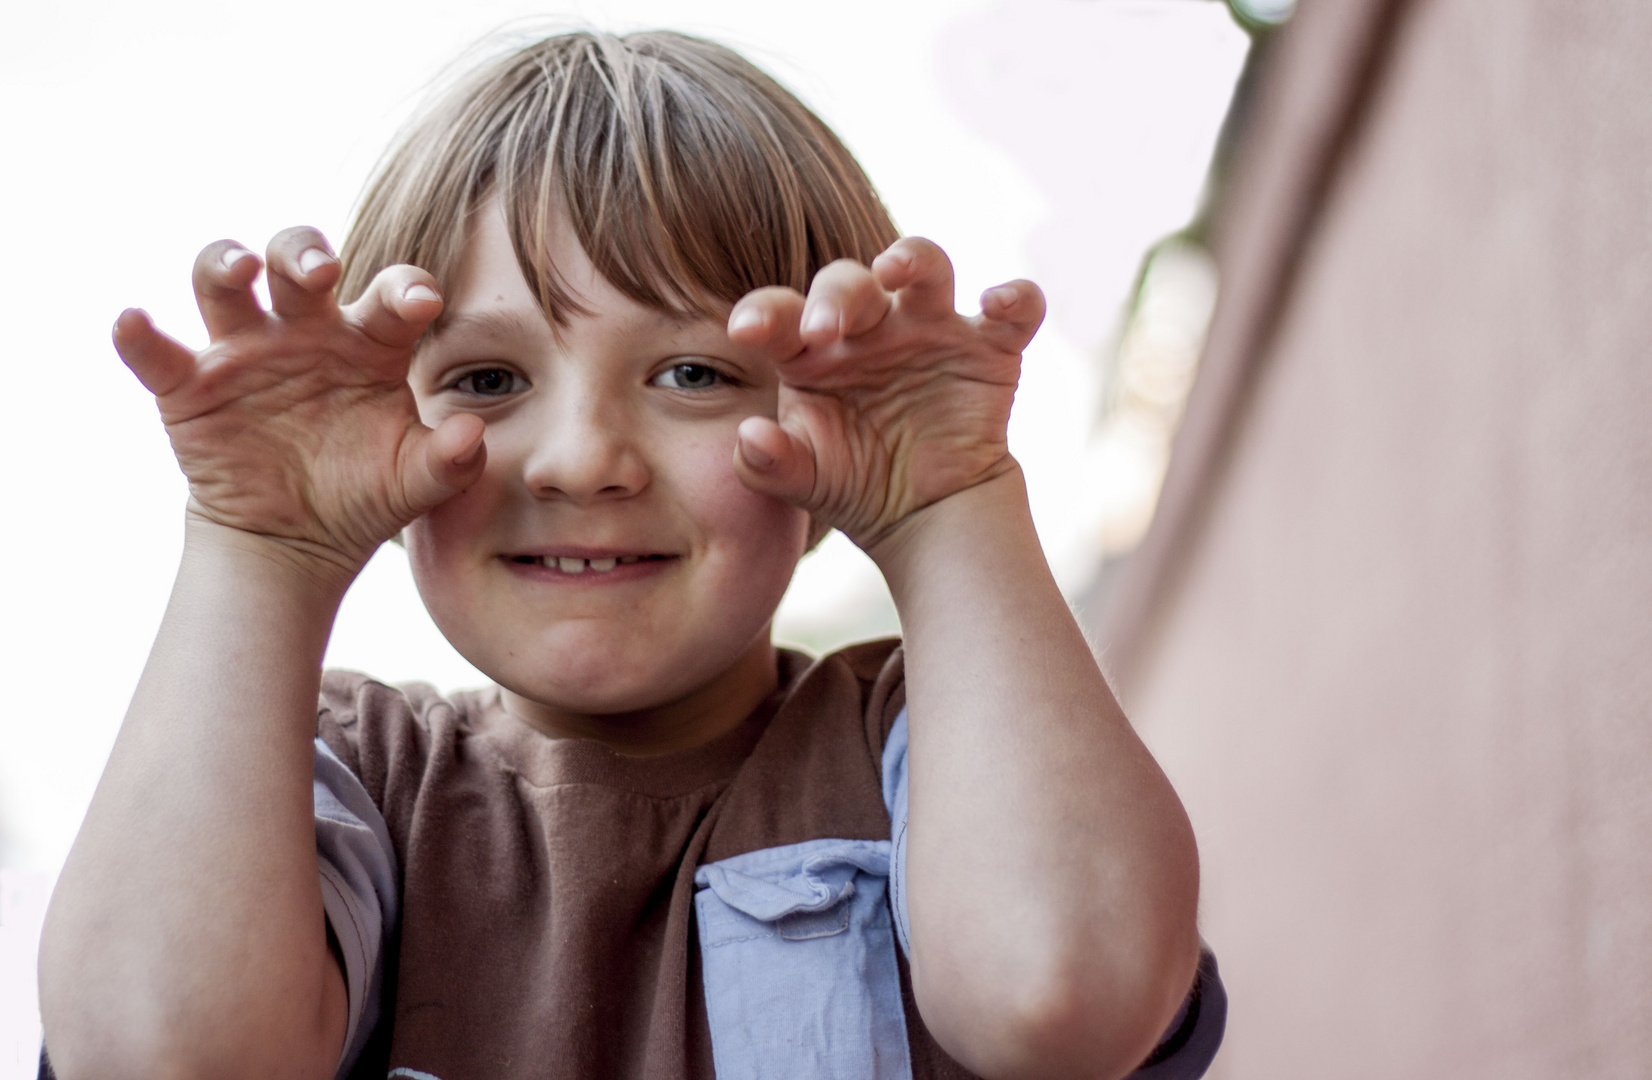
{"points": [[569, 565]]}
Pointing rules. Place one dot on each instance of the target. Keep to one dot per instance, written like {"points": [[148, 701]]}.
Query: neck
{"points": [[695, 719]]}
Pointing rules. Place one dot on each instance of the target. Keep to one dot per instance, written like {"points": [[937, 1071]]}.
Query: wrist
{"points": [[299, 568], [973, 523]]}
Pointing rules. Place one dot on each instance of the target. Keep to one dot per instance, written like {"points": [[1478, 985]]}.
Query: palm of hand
{"points": [[298, 424], [890, 400]]}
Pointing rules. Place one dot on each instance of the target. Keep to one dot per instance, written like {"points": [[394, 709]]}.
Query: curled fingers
{"points": [[919, 273], [222, 278], [767, 319], [302, 273], [845, 301], [161, 364], [1011, 314], [397, 307], [444, 461], [771, 460]]}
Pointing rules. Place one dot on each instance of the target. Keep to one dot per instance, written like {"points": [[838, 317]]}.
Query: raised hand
{"points": [[890, 400], [297, 424]]}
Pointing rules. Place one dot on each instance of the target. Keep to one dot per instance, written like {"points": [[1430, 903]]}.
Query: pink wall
{"points": [[1393, 637]]}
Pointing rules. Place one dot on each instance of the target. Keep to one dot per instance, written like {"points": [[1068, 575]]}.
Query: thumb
{"points": [[442, 462], [773, 461]]}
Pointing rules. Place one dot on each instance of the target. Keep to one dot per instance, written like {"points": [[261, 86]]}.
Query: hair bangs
{"points": [[688, 176]]}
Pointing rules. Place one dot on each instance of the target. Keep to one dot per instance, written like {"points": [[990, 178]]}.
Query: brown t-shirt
{"points": [[547, 885]]}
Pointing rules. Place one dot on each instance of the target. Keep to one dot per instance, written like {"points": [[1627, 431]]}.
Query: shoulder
{"points": [[816, 771], [350, 696], [868, 678], [386, 734], [351, 701], [869, 660]]}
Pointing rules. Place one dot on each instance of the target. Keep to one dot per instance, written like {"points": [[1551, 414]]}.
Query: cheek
{"points": [[442, 545], [753, 539]]}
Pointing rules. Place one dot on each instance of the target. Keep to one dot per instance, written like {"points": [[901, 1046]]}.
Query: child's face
{"points": [[608, 560]]}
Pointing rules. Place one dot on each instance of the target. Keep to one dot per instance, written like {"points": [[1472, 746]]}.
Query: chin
{"points": [[599, 679], [591, 697]]}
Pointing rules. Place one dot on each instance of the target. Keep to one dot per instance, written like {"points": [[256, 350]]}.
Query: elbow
{"points": [[153, 1051], [1068, 1014], [87, 1039], [115, 1051], [95, 1032]]}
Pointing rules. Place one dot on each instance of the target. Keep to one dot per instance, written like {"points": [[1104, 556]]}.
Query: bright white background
{"points": [[1053, 139]]}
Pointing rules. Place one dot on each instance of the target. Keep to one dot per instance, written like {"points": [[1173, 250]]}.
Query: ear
{"points": [[817, 532]]}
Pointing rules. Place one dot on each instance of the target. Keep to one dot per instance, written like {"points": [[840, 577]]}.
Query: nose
{"points": [[584, 448]]}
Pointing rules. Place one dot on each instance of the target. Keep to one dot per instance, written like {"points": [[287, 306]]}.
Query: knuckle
{"points": [[297, 234], [772, 294], [385, 284], [840, 272], [922, 248], [391, 284], [214, 250], [209, 264], [286, 246]]}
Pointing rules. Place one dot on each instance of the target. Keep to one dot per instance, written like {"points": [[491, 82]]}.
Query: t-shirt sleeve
{"points": [[894, 797], [1187, 1047], [358, 889]]}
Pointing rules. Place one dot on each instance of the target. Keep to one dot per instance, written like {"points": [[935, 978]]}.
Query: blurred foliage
{"points": [[1151, 367], [1260, 16]]}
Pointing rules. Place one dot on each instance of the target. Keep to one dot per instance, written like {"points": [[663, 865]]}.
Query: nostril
{"points": [[578, 469]]}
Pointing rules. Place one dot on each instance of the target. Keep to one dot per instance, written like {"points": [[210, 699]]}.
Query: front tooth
{"points": [[571, 566], [603, 564], [629, 559]]}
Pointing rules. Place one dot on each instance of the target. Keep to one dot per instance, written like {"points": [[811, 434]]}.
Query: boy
{"points": [[627, 330]]}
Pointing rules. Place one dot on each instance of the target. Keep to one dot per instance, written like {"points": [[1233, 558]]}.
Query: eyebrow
{"points": [[497, 324]]}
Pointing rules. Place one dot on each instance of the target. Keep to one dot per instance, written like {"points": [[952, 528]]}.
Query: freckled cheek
{"points": [[449, 544], [754, 540]]}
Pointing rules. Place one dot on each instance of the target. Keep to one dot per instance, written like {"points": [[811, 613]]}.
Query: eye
{"points": [[688, 377], [490, 382]]}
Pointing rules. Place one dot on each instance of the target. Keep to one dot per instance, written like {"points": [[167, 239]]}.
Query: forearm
{"points": [[1052, 878], [186, 934]]}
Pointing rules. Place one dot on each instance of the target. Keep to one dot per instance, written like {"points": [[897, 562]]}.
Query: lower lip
{"points": [[642, 568]]}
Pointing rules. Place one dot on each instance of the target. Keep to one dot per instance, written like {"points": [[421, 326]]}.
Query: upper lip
{"points": [[580, 551]]}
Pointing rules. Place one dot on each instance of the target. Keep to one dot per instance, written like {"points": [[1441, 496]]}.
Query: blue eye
{"points": [[490, 382], [688, 377]]}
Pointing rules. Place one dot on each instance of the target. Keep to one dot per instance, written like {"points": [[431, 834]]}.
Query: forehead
{"points": [[489, 297]]}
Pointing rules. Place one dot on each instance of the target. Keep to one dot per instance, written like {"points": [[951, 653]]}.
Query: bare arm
{"points": [[186, 936], [187, 931], [1052, 879], [1051, 876]]}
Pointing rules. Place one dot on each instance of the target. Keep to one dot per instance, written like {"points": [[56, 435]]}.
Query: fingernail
{"points": [[118, 331], [755, 457], [420, 292], [745, 319], [312, 259], [235, 255], [818, 320]]}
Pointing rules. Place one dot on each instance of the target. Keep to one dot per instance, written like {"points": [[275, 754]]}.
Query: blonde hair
{"points": [[689, 176]]}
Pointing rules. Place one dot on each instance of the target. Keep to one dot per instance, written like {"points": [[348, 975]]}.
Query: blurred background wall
{"points": [[1391, 628]]}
